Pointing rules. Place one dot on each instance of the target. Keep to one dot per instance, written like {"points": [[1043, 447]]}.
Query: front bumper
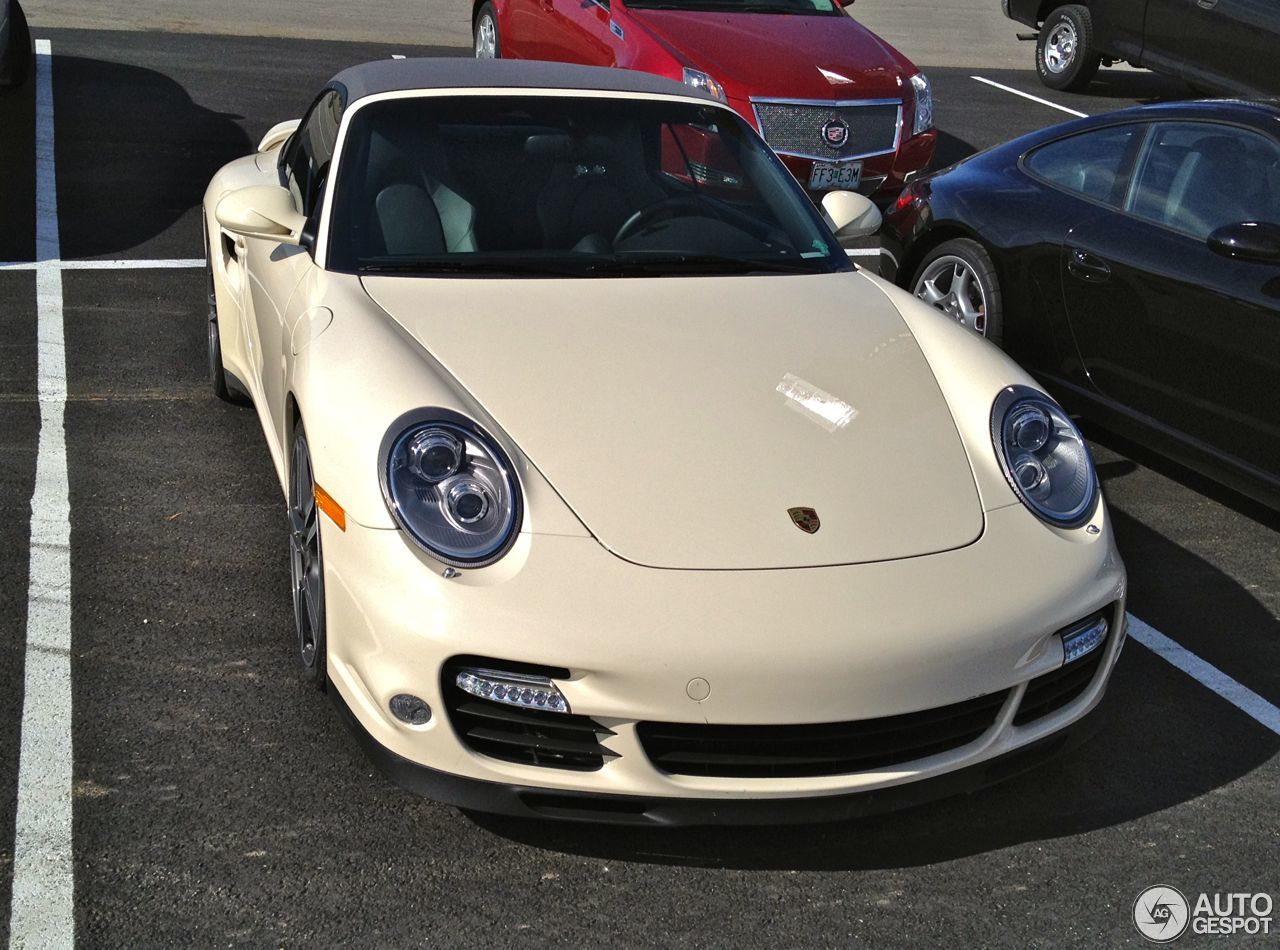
{"points": [[883, 176], [531, 802], [778, 647]]}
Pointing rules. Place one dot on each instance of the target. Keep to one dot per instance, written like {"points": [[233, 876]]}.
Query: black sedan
{"points": [[1132, 261]]}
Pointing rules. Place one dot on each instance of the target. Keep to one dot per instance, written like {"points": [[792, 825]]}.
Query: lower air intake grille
{"points": [[1048, 693], [824, 749], [527, 736]]}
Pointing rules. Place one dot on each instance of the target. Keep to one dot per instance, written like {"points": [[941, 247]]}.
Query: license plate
{"points": [[826, 176]]}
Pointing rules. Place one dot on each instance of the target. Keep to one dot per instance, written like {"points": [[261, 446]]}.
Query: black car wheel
{"points": [[217, 372], [1065, 55], [488, 45], [306, 563], [958, 278]]}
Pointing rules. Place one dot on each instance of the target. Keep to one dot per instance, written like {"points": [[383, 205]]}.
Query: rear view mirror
{"points": [[1251, 241], [265, 211], [850, 215]]}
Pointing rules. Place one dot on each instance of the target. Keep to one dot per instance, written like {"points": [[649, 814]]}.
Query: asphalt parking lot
{"points": [[218, 800]]}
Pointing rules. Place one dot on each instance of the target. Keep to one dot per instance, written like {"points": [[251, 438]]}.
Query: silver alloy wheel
{"points": [[1060, 47], [486, 38], [305, 565], [951, 285]]}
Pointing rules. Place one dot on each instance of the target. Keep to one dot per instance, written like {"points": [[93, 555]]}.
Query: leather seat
{"points": [[417, 210], [585, 198]]}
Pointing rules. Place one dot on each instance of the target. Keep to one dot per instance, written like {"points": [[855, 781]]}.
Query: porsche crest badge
{"points": [[806, 519]]}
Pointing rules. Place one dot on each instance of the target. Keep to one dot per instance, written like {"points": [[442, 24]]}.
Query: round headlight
{"points": [[450, 487], [1044, 457]]}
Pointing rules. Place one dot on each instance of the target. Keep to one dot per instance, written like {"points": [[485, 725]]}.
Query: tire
{"points": [[306, 564], [1066, 57], [958, 278], [217, 372], [487, 43]]}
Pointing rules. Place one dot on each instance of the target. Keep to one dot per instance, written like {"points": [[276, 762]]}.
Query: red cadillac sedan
{"points": [[841, 107]]}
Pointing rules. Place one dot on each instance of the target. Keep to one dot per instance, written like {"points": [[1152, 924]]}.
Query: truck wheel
{"points": [[1066, 57]]}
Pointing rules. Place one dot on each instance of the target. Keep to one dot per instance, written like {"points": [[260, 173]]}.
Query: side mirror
{"points": [[1250, 241], [850, 215], [265, 211], [277, 134]]}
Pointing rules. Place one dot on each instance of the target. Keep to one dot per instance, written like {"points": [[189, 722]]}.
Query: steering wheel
{"points": [[660, 210]]}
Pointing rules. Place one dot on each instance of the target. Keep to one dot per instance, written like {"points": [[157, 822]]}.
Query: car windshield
{"points": [[800, 7], [557, 186]]}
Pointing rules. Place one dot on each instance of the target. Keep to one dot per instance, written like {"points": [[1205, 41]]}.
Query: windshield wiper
{"points": [[428, 268], [700, 264]]}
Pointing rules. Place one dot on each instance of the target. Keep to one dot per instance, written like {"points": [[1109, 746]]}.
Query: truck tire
{"points": [[1066, 57]]}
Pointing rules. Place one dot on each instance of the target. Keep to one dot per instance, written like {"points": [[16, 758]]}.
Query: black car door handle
{"points": [[1206, 4], [1087, 266]]}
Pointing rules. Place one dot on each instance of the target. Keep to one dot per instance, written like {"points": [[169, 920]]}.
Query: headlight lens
{"points": [[1044, 456], [924, 104], [700, 80], [450, 487]]}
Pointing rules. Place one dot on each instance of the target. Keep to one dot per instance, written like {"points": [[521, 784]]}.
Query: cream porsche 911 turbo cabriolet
{"points": [[615, 491]]}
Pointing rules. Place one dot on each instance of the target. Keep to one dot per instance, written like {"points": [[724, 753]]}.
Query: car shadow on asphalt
{"points": [[949, 150], [122, 183], [1139, 85], [1160, 740]]}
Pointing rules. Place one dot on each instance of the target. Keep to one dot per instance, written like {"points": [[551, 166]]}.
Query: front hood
{"points": [[779, 56], [682, 418]]}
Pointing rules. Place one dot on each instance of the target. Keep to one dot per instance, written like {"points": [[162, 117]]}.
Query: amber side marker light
{"points": [[325, 502]]}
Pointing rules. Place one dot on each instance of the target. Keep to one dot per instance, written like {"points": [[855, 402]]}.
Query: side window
{"points": [[306, 163], [1089, 164], [1196, 177]]}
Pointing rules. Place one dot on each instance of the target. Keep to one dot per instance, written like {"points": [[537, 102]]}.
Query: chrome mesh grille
{"points": [[796, 128]]}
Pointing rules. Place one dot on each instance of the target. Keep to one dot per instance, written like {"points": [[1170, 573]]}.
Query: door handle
{"points": [[1087, 266], [1206, 4]]}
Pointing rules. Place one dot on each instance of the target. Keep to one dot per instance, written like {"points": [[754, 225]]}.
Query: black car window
{"points": [[1196, 177], [1090, 163], [310, 149]]}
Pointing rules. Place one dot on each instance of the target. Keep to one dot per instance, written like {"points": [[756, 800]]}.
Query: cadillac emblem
{"points": [[835, 134], [806, 519]]}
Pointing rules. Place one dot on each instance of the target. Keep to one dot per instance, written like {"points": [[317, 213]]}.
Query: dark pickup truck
{"points": [[1220, 46]]}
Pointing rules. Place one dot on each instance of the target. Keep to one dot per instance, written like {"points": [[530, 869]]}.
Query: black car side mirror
{"points": [[1250, 241]]}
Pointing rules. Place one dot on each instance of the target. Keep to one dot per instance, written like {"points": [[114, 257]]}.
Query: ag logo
{"points": [[806, 519], [835, 133], [1161, 913]]}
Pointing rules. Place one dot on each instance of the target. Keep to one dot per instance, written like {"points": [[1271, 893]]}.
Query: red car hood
{"points": [[780, 55]]}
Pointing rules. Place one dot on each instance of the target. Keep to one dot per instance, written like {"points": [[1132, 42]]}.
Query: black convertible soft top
{"points": [[397, 75]]}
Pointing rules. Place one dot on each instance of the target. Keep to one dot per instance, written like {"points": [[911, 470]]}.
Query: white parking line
{"points": [[43, 910], [174, 264], [1235, 693], [1027, 95]]}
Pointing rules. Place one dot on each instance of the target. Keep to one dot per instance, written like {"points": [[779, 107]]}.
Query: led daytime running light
{"points": [[1084, 640], [513, 689]]}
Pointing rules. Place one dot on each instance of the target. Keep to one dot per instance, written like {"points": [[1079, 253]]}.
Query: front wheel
{"points": [[487, 45], [959, 278], [306, 563], [1066, 57]]}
